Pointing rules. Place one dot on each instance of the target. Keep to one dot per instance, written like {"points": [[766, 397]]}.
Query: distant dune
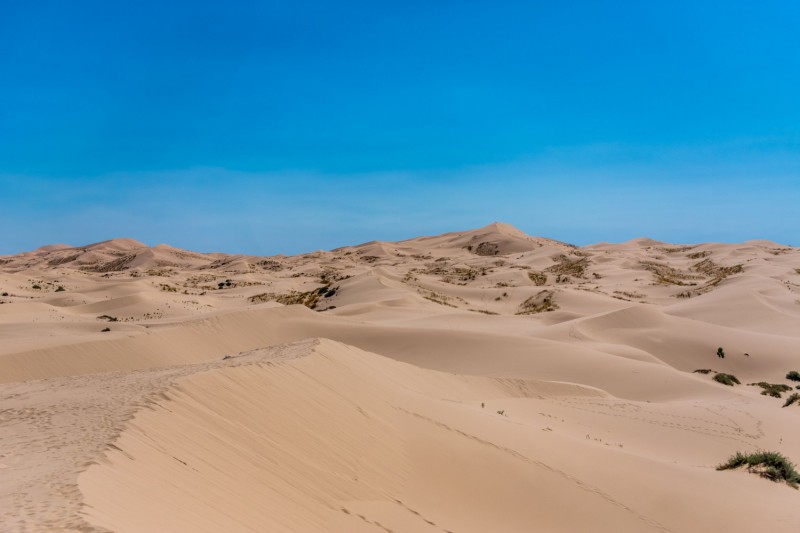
{"points": [[483, 380]]}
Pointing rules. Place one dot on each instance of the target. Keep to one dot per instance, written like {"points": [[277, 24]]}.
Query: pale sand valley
{"points": [[477, 381]]}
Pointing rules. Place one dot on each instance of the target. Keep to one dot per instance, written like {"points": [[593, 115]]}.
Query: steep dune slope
{"points": [[346, 440]]}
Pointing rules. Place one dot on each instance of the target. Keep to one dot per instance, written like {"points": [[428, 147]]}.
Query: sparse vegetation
{"points": [[60, 289], [699, 255], [720, 353], [440, 299], [710, 268], [769, 465], [626, 295], [667, 275], [108, 317], [775, 390], [309, 299], [4, 294], [793, 376], [484, 311], [793, 398], [36, 287], [569, 267], [538, 278], [538, 303], [104, 330], [487, 248], [727, 379], [704, 371]]}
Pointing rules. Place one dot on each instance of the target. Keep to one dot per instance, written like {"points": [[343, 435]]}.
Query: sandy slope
{"points": [[588, 352]]}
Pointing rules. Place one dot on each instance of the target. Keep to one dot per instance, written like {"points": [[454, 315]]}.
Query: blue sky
{"points": [[263, 127]]}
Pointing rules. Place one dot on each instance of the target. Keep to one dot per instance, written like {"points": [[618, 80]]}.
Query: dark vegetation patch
{"points": [[538, 303], [727, 379], [793, 398], [567, 266], [117, 265], [487, 249], [769, 465], [538, 278], [667, 275], [775, 390]]}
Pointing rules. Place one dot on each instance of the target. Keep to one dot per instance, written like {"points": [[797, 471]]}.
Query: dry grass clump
{"points": [[626, 295], [569, 267], [484, 311], [438, 298], [449, 273], [538, 278], [487, 249], [676, 249], [699, 255], [116, 265], [727, 379], [309, 298], [56, 261], [538, 303], [270, 265], [769, 465], [715, 271], [667, 275], [710, 268]]}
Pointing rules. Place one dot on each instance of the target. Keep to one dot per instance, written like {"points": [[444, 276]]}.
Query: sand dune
{"points": [[483, 380]]}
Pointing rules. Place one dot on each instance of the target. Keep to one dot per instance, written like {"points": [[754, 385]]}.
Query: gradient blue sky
{"points": [[266, 127]]}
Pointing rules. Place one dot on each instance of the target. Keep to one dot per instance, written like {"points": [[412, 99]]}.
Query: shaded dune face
{"points": [[483, 380]]}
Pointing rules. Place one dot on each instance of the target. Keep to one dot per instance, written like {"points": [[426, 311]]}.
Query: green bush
{"points": [[793, 375], [720, 353], [793, 398], [772, 389], [770, 465], [727, 379]]}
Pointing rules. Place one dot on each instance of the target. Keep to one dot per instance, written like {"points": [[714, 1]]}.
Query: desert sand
{"points": [[476, 381]]}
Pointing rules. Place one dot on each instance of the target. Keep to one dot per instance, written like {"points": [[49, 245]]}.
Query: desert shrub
{"points": [[538, 278], [704, 371], [104, 330], [108, 317], [569, 267], [793, 376], [539, 303], [769, 465], [487, 248], [720, 353], [793, 398], [5, 294], [727, 379], [37, 287], [60, 289], [772, 389]]}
